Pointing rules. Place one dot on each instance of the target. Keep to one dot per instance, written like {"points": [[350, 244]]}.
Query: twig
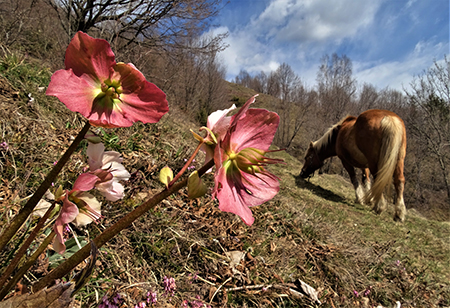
{"points": [[229, 278], [258, 286]]}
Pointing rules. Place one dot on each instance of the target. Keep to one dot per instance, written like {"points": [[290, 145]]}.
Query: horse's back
{"points": [[371, 119], [370, 127]]}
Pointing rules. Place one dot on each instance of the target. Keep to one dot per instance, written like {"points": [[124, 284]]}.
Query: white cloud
{"points": [[373, 34], [399, 74], [309, 21]]}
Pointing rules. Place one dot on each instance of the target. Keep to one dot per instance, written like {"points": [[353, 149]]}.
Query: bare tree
{"points": [[29, 26], [213, 91], [288, 82], [429, 118], [243, 79], [368, 98], [273, 85], [126, 22], [194, 78], [260, 83], [336, 85]]}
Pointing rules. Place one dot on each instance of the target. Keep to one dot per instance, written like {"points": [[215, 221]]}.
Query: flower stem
{"points": [[22, 270], [113, 230], [191, 159], [20, 253], [25, 211]]}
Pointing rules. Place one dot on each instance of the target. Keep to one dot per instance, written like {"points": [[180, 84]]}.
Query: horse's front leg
{"points": [[365, 177], [359, 190]]}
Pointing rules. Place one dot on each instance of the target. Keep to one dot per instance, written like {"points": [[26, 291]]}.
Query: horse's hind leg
{"points": [[399, 183], [380, 205]]}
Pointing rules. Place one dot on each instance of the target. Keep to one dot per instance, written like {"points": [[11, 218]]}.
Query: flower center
{"points": [[112, 88], [248, 160], [109, 96]]}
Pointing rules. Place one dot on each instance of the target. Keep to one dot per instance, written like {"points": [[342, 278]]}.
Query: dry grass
{"points": [[312, 231]]}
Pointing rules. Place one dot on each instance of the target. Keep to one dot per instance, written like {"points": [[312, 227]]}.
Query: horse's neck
{"points": [[326, 145]]}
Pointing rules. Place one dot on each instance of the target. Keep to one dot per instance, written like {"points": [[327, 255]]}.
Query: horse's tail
{"points": [[391, 145]]}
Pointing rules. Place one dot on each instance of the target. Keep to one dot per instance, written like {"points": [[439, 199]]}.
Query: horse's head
{"points": [[312, 162]]}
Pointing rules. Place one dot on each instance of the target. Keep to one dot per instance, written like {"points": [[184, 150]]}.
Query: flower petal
{"points": [[142, 100], [111, 190], [218, 122], [85, 182], [243, 110], [255, 130], [260, 187], [92, 209], [95, 152], [103, 115], [87, 55], [111, 156], [119, 172], [230, 199], [75, 92], [58, 241]]}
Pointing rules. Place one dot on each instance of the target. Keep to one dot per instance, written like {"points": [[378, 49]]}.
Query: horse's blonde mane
{"points": [[330, 136]]}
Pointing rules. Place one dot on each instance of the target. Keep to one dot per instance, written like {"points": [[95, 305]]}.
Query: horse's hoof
{"points": [[399, 218], [377, 210]]}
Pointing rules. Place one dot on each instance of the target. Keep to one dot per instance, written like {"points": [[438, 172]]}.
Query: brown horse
{"points": [[375, 141]]}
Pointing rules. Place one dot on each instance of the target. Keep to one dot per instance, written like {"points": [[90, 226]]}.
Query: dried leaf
{"points": [[308, 290], [58, 296], [236, 257]]}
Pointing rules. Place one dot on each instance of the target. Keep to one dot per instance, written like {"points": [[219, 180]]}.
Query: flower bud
{"points": [[92, 137], [195, 186], [166, 176]]}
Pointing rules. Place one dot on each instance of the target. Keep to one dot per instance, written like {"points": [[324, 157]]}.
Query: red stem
{"points": [[191, 159]]}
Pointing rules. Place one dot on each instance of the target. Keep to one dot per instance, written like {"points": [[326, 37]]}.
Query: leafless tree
{"points": [[194, 80], [368, 97], [127, 22], [260, 83], [29, 26], [244, 79], [213, 91], [429, 118], [273, 85], [336, 86]]}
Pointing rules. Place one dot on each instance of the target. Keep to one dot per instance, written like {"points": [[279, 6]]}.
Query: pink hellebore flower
{"points": [[109, 94], [241, 180], [217, 124], [79, 207], [108, 168]]}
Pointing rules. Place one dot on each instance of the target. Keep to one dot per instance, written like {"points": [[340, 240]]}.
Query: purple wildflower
{"points": [[106, 303], [169, 286], [152, 297]]}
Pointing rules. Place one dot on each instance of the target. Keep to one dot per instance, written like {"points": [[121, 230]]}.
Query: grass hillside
{"points": [[311, 232]]}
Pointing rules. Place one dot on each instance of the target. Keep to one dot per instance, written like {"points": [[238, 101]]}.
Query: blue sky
{"points": [[388, 41]]}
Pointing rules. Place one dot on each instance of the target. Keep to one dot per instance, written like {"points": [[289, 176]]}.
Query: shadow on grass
{"points": [[320, 191]]}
